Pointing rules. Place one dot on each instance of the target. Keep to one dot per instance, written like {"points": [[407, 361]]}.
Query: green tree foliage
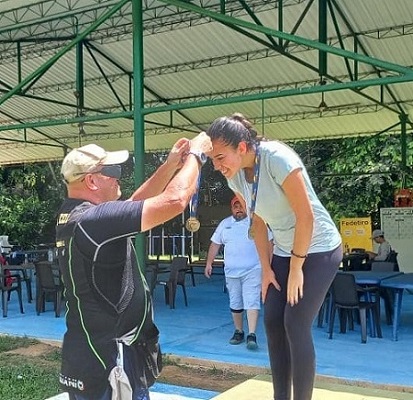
{"points": [[353, 177], [152, 161], [29, 196], [214, 189], [356, 177]]}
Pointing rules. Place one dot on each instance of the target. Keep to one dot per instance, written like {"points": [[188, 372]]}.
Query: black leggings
{"points": [[290, 341]]}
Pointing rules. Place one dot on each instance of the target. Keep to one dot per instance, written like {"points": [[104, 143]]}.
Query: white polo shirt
{"points": [[240, 253]]}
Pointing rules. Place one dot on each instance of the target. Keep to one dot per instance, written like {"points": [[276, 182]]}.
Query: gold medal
{"points": [[251, 233], [192, 224]]}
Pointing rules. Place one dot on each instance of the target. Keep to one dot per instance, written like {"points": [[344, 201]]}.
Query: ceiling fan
{"points": [[81, 113], [323, 106]]}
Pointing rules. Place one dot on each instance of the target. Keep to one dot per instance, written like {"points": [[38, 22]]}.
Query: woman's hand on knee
{"points": [[268, 278]]}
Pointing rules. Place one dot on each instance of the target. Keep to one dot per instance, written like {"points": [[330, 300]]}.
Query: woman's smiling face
{"points": [[227, 159]]}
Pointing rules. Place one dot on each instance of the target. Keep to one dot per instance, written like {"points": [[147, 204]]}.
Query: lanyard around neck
{"points": [[193, 204], [254, 189]]}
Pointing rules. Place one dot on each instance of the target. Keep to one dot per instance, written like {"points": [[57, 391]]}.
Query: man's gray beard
{"points": [[240, 217]]}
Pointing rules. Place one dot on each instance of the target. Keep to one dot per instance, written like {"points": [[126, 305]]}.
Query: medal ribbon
{"points": [[255, 181], [193, 204]]}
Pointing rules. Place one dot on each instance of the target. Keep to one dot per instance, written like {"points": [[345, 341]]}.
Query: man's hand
{"points": [[176, 156], [371, 255], [202, 143]]}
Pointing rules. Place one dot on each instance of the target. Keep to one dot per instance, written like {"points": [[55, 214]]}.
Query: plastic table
{"points": [[398, 284]]}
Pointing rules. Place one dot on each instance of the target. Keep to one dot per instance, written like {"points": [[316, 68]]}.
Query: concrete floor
{"points": [[200, 332], [262, 389]]}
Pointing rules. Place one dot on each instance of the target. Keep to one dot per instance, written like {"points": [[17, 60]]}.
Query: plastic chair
{"points": [[5, 246], [346, 298], [25, 277], [382, 266], [8, 284], [177, 275], [392, 258], [325, 309], [48, 283], [151, 273], [386, 294], [190, 267]]}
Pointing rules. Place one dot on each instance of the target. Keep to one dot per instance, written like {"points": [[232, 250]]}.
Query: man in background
{"points": [[242, 271], [384, 248]]}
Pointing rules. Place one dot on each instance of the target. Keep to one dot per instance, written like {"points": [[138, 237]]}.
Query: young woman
{"points": [[275, 186]]}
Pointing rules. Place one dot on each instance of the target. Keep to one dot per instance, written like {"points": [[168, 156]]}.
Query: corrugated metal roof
{"points": [[190, 58]]}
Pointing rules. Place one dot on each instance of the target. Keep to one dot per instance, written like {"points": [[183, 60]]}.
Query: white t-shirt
{"points": [[277, 161], [240, 253]]}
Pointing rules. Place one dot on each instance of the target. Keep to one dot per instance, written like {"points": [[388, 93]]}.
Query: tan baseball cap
{"points": [[89, 158]]}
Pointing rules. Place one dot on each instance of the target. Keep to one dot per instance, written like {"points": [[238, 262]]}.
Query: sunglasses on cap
{"points": [[111, 171]]}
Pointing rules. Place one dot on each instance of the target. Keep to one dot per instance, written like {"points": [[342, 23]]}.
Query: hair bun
{"points": [[239, 117], [247, 124]]}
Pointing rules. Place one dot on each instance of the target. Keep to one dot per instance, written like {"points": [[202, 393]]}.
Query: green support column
{"points": [[19, 62], [322, 36], [222, 7], [280, 21], [403, 145], [80, 91], [139, 124], [263, 117]]}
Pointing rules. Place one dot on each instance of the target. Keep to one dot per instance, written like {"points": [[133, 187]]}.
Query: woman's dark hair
{"points": [[233, 130]]}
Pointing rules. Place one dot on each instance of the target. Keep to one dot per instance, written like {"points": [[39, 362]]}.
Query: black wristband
{"points": [[297, 255], [201, 157]]}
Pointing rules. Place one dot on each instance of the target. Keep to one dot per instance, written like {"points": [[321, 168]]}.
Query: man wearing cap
{"points": [[109, 320], [384, 246], [242, 270]]}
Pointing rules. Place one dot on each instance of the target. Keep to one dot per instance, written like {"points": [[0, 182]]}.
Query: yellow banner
{"points": [[356, 233]]}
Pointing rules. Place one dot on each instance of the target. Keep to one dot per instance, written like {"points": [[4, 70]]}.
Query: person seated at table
{"points": [[384, 248]]}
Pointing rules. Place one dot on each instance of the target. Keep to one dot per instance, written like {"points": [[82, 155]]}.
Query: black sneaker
{"points": [[252, 342], [237, 338]]}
